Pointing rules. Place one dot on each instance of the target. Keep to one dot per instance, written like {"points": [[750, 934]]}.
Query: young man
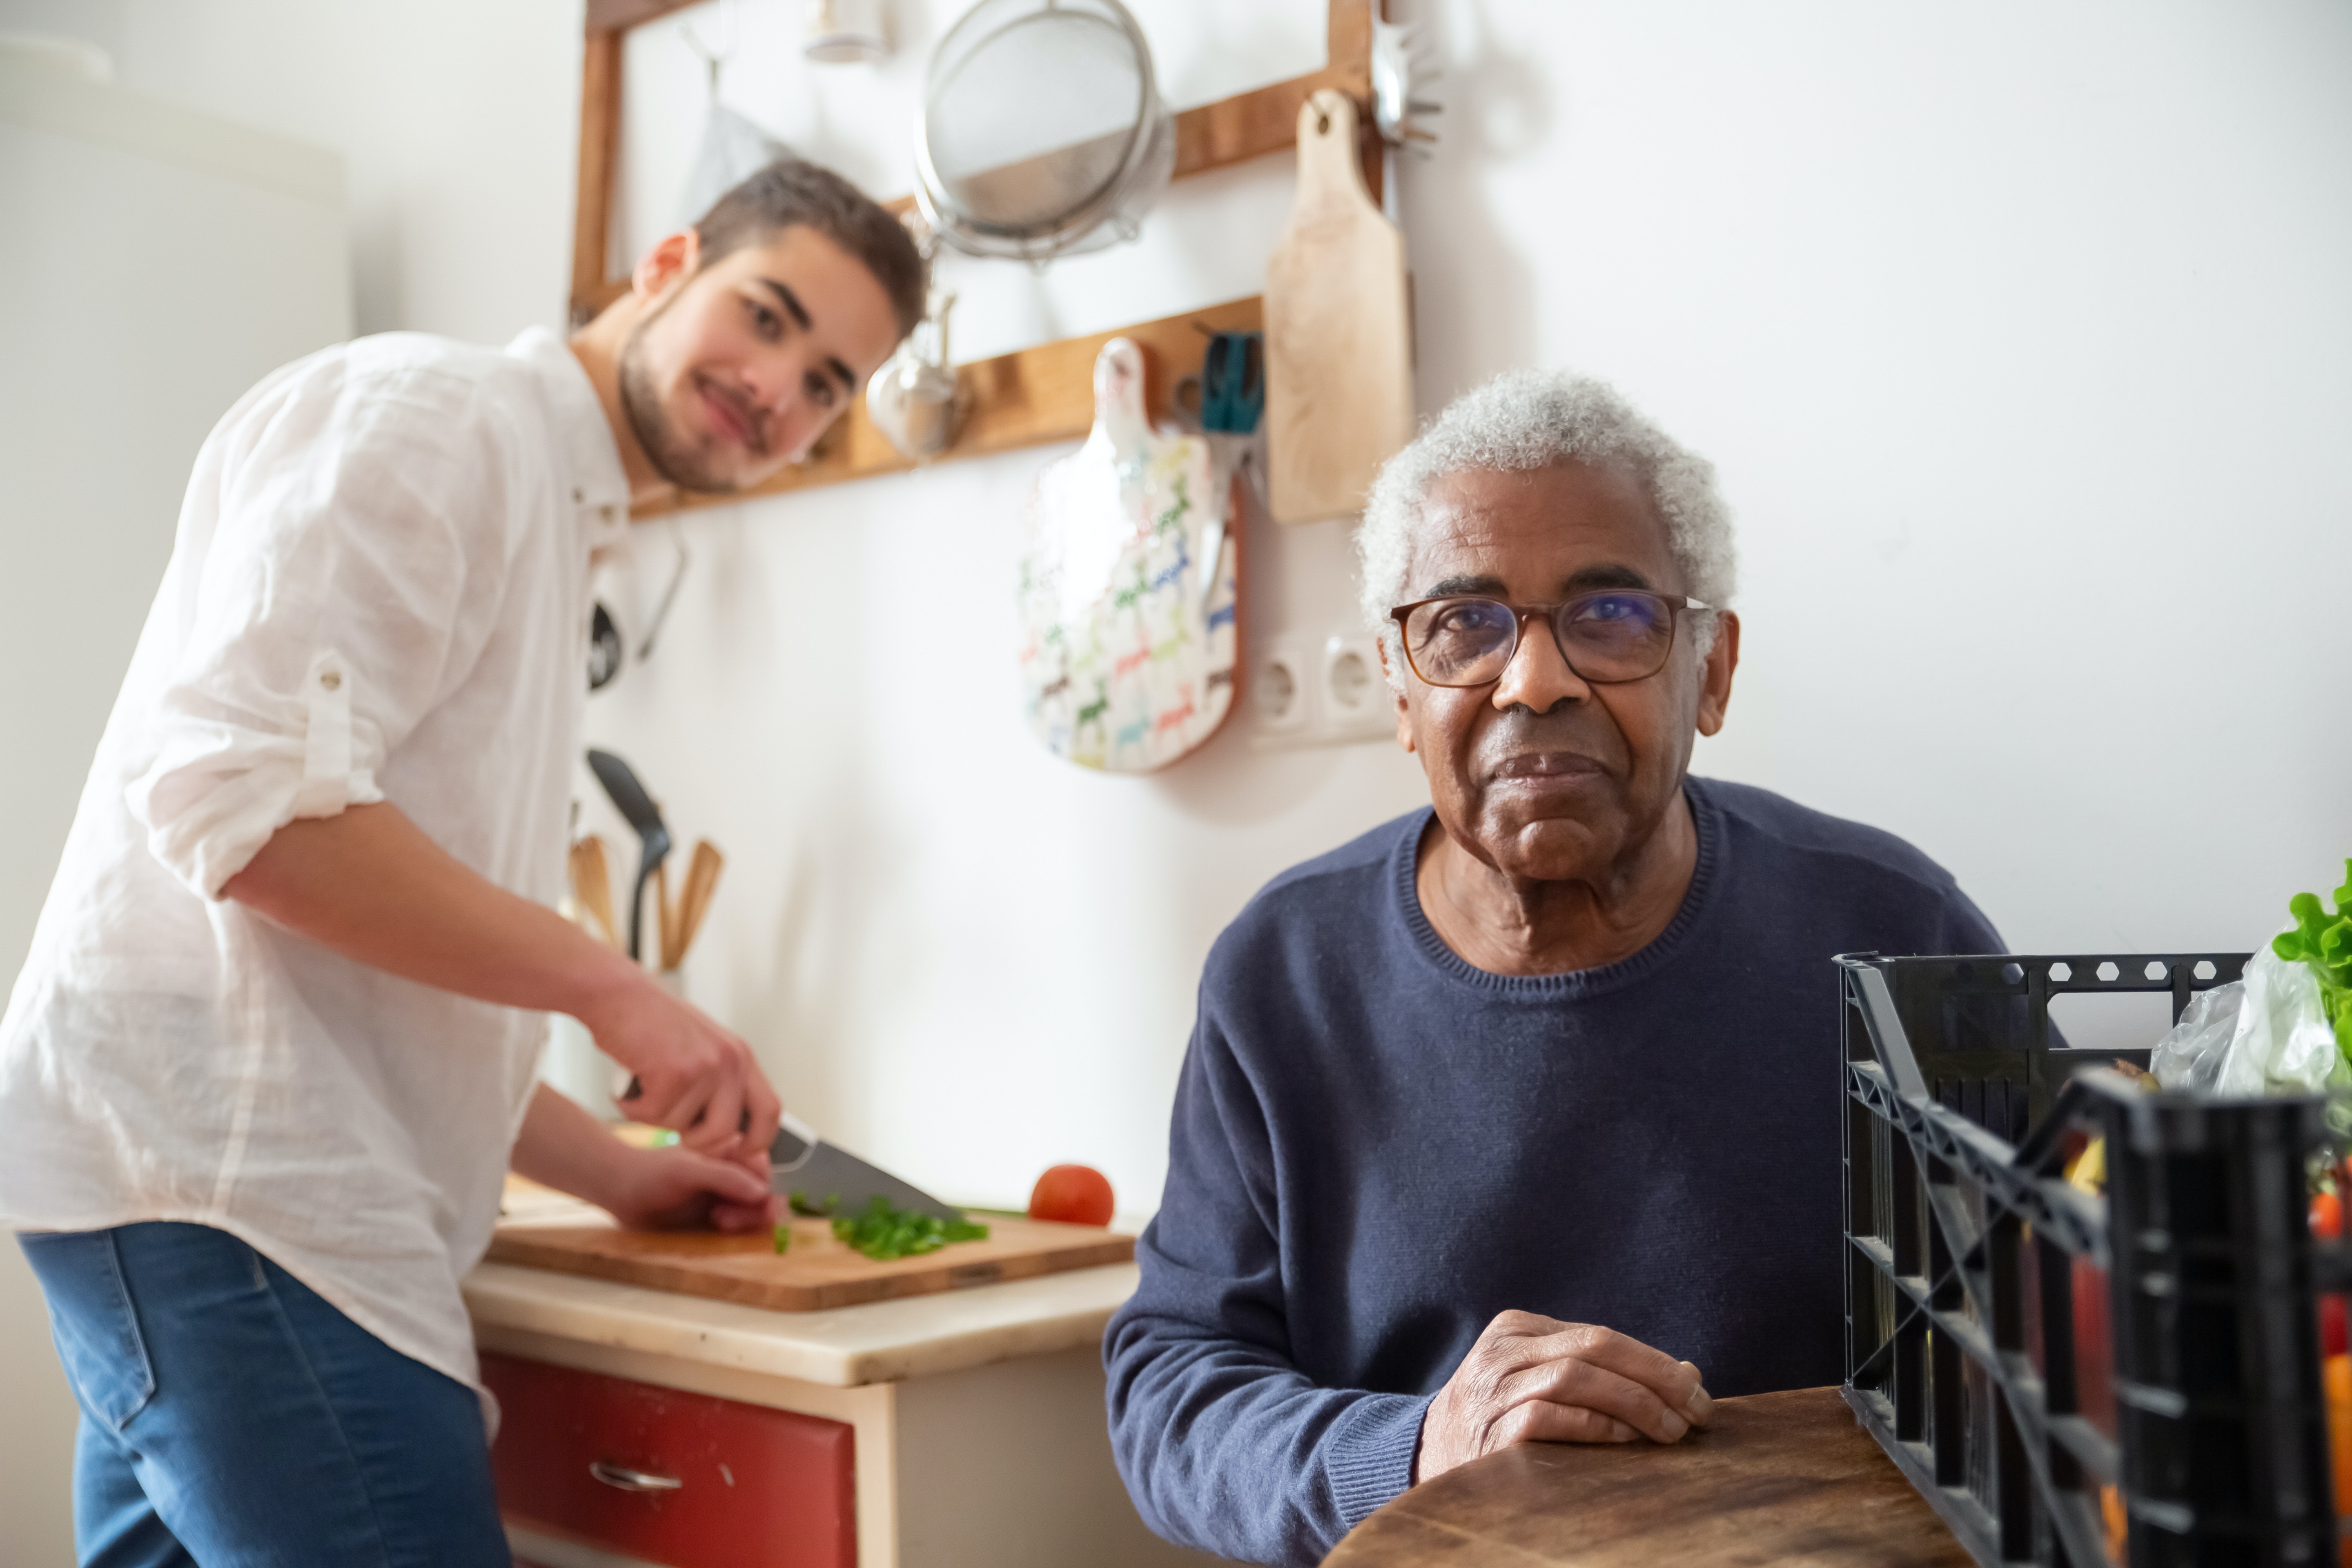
{"points": [[264, 1070]]}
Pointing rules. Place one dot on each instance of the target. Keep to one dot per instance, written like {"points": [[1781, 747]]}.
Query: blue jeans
{"points": [[230, 1416]]}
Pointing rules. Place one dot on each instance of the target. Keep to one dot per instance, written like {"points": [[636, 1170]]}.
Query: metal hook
{"points": [[927, 238], [669, 594]]}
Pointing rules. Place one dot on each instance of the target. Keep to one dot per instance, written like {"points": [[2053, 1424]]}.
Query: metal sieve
{"points": [[1042, 131]]}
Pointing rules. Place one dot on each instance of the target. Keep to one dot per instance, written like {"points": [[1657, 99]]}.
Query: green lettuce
{"points": [[2322, 943]]}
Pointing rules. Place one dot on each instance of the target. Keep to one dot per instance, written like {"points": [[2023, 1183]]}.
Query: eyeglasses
{"points": [[1606, 638]]}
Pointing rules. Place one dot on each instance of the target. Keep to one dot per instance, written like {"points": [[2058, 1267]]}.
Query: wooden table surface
{"points": [[1775, 1477]]}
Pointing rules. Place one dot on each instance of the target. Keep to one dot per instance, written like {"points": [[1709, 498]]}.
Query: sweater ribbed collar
{"points": [[1575, 985]]}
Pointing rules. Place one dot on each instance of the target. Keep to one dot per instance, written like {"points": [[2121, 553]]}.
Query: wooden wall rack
{"points": [[1019, 399], [1231, 131]]}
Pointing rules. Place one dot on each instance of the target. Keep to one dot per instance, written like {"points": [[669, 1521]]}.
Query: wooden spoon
{"points": [[592, 886], [701, 881], [665, 922]]}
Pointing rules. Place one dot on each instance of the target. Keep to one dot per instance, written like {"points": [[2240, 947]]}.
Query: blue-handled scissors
{"points": [[1233, 381], [1230, 390]]}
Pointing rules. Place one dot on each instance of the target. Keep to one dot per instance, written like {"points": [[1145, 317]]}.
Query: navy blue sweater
{"points": [[1378, 1147]]}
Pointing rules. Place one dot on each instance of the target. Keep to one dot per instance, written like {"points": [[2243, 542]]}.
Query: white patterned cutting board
{"points": [[1128, 588]]}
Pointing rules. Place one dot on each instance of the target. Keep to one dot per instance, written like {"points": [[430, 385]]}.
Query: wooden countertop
{"points": [[1783, 1478], [883, 1342], [842, 1347]]}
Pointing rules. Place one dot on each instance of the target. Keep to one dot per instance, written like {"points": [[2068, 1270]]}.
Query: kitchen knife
{"points": [[803, 1162]]}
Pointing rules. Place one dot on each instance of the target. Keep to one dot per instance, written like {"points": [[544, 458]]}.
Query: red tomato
{"points": [[2326, 1215], [2332, 1337], [1076, 1195]]}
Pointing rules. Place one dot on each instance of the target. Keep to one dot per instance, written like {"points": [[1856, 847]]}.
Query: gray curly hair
{"points": [[1529, 420]]}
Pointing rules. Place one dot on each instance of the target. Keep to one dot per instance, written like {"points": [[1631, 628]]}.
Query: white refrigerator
{"points": [[154, 263]]}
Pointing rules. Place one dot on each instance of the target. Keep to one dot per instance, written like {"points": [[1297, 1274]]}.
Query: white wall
{"points": [[2018, 339], [2018, 333], [98, 345], [459, 123]]}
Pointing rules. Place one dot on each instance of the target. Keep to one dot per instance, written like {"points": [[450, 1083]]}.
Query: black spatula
{"points": [[637, 807], [629, 797]]}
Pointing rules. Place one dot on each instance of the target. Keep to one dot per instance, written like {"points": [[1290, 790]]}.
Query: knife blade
{"points": [[801, 1162]]}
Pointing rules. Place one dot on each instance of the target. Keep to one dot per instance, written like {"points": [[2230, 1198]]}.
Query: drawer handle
{"points": [[623, 1479]]}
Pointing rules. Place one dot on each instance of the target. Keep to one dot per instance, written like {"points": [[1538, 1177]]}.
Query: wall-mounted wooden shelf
{"points": [[1213, 136], [1021, 399]]}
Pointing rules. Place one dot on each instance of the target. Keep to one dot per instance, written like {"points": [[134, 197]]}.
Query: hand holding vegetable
{"points": [[678, 1189], [670, 1188]]}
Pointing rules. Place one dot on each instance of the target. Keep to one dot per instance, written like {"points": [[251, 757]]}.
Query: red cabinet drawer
{"points": [[582, 1455]]}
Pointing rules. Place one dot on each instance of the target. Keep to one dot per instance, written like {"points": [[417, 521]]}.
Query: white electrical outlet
{"points": [[1279, 698], [1357, 703], [1303, 693]]}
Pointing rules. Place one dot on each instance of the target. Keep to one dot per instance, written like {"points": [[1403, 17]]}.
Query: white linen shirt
{"points": [[378, 592]]}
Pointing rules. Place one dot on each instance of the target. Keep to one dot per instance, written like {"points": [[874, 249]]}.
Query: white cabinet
{"points": [[979, 1438]]}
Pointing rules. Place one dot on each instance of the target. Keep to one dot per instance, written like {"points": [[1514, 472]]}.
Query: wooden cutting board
{"points": [[1338, 334], [1784, 1478], [816, 1274], [1129, 597]]}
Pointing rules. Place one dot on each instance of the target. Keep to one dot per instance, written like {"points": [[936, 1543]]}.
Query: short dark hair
{"points": [[793, 191]]}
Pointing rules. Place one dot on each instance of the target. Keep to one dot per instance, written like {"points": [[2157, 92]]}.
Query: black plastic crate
{"points": [[1974, 1274]]}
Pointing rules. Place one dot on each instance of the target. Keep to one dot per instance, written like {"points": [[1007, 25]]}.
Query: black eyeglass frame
{"points": [[1520, 614]]}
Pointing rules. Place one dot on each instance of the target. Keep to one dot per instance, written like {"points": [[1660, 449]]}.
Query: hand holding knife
{"points": [[686, 1071]]}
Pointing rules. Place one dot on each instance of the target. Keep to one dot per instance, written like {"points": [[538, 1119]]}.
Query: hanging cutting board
{"points": [[1128, 587], [1339, 336], [817, 1274]]}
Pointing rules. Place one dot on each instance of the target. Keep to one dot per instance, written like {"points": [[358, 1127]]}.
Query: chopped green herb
{"points": [[783, 1239], [883, 1233], [803, 1205]]}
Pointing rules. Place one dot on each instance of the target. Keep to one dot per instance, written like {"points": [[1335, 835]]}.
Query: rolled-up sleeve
{"points": [[329, 618]]}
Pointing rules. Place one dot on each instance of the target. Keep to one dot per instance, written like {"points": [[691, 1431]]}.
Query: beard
{"points": [[674, 457]]}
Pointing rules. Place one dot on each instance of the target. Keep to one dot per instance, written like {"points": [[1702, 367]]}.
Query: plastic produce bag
{"points": [[2266, 1034], [2188, 1059]]}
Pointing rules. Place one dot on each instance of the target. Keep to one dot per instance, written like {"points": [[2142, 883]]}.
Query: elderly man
{"points": [[1513, 1118]]}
